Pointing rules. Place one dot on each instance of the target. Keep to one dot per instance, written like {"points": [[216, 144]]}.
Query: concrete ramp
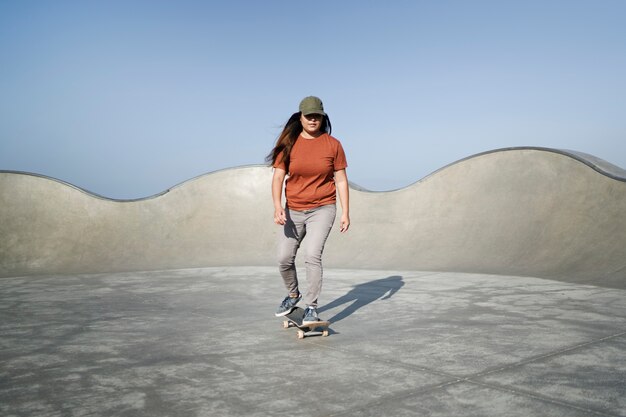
{"points": [[519, 211], [409, 335]]}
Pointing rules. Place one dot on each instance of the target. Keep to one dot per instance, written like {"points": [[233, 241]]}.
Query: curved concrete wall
{"points": [[518, 211]]}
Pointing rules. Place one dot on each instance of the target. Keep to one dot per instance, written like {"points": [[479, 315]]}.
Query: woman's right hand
{"points": [[279, 216], [278, 179]]}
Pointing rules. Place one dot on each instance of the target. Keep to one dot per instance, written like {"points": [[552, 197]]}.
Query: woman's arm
{"points": [[341, 181], [277, 193]]}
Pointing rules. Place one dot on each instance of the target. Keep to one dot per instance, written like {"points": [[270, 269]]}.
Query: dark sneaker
{"points": [[310, 316], [287, 306]]}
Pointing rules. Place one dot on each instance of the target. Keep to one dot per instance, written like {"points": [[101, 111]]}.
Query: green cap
{"points": [[312, 105]]}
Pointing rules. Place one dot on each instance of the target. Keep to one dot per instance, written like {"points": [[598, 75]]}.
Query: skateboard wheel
{"points": [[285, 324], [325, 333], [300, 334]]}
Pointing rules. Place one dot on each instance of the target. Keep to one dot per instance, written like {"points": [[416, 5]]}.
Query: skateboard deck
{"points": [[294, 319]]}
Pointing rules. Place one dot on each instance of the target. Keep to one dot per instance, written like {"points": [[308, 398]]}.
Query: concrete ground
{"points": [[204, 342]]}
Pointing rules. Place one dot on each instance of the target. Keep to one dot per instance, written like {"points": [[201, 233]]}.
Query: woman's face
{"points": [[311, 123]]}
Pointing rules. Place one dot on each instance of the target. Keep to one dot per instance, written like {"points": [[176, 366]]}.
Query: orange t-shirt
{"points": [[312, 166]]}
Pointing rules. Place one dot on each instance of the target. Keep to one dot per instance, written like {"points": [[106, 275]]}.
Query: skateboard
{"points": [[294, 319]]}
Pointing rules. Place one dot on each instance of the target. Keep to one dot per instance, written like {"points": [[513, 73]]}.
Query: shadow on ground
{"points": [[363, 294]]}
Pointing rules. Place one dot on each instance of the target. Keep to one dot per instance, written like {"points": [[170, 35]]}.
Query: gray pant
{"points": [[316, 224]]}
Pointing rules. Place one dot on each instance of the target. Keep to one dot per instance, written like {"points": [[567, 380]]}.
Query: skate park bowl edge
{"points": [[523, 211]]}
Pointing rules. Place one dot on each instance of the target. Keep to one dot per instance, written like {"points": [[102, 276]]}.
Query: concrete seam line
{"points": [[545, 356]]}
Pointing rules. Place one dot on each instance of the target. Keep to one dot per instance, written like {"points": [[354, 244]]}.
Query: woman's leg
{"points": [[319, 222], [288, 244]]}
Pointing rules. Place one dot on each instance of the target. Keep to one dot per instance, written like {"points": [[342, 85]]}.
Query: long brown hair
{"points": [[288, 138]]}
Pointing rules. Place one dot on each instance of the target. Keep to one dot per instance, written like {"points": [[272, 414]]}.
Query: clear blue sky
{"points": [[129, 98]]}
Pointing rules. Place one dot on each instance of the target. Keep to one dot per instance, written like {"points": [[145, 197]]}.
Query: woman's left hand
{"points": [[345, 223]]}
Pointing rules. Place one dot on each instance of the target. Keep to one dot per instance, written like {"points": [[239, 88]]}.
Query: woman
{"points": [[316, 166]]}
